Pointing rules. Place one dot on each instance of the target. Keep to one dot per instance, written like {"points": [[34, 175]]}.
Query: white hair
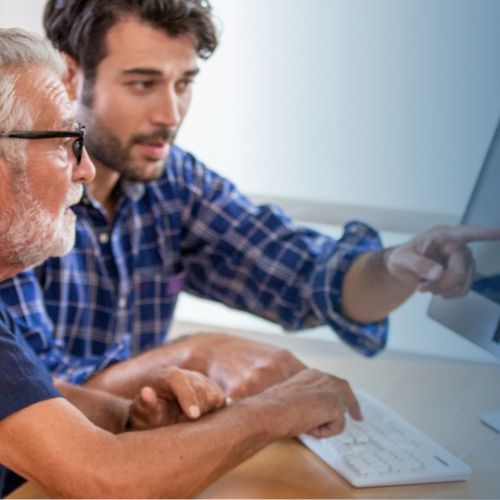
{"points": [[20, 50]]}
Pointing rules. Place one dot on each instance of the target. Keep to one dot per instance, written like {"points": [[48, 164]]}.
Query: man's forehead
{"points": [[131, 43], [44, 90]]}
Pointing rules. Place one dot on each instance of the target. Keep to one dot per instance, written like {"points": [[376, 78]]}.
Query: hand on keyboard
{"points": [[315, 403], [385, 449]]}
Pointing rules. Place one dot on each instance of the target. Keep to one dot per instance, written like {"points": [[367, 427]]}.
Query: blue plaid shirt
{"points": [[114, 295]]}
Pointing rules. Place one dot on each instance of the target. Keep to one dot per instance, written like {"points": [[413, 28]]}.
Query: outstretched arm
{"points": [[438, 261]]}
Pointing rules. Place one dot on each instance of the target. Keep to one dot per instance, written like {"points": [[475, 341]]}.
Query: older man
{"points": [[43, 437]]}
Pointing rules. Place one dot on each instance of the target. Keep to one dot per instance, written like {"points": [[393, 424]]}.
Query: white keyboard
{"points": [[384, 449]]}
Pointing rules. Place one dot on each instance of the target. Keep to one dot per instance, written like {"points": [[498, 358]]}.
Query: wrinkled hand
{"points": [[174, 395], [439, 260], [244, 367], [315, 403]]}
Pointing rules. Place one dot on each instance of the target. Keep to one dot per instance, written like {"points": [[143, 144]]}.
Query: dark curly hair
{"points": [[79, 27]]}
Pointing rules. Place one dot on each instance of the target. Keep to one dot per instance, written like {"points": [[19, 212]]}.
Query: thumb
{"points": [[148, 397], [423, 268], [150, 405]]}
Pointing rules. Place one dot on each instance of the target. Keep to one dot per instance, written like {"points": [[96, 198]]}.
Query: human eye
{"points": [[184, 85], [64, 143], [140, 86]]}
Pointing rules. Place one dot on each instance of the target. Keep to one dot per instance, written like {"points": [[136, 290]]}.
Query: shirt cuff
{"points": [[366, 338]]}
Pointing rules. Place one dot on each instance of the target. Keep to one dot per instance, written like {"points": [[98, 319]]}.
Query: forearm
{"points": [[107, 411], [370, 292], [53, 444], [196, 454], [69, 457]]}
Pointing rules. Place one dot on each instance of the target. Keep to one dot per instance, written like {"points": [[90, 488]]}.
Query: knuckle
{"points": [[172, 372]]}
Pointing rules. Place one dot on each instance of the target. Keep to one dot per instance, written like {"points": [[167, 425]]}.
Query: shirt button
{"points": [[104, 238], [122, 302]]}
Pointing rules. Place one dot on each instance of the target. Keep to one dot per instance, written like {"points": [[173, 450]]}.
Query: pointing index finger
{"points": [[462, 235]]}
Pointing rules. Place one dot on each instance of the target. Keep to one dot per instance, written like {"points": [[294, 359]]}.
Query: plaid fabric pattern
{"points": [[114, 295]]}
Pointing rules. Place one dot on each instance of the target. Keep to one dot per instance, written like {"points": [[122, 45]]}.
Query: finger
{"points": [[328, 429], [350, 401], [470, 277], [145, 402], [456, 278], [219, 398], [422, 268], [181, 386], [143, 410], [148, 396], [216, 397], [210, 395], [461, 289], [152, 405], [456, 271], [461, 235]]}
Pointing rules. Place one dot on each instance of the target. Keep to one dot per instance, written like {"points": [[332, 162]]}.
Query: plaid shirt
{"points": [[114, 295]]}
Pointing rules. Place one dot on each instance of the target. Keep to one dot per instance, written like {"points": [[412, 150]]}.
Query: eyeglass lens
{"points": [[78, 149]]}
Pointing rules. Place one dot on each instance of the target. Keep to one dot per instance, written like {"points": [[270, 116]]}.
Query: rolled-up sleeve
{"points": [[367, 338]]}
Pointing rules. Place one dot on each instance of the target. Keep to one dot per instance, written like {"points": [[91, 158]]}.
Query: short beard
{"points": [[30, 235], [107, 149]]}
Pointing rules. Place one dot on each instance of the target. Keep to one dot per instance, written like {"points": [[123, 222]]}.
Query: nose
{"points": [[85, 170], [167, 112]]}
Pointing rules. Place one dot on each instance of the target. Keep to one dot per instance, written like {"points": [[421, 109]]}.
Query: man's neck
{"points": [[103, 187]]}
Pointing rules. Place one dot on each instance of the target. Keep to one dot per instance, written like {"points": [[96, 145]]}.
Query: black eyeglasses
{"points": [[51, 134]]}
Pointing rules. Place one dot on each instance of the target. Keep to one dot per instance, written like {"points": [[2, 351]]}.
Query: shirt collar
{"points": [[133, 189]]}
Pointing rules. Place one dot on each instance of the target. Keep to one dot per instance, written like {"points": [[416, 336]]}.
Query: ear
{"points": [[73, 77]]}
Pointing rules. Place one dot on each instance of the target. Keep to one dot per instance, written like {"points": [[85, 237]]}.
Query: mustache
{"points": [[75, 195], [164, 134]]}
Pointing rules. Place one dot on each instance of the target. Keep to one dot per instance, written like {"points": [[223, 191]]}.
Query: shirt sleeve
{"points": [[24, 302], [254, 258], [23, 380], [23, 299]]}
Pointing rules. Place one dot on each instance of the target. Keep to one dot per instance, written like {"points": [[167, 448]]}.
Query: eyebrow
{"points": [[68, 123], [156, 72]]}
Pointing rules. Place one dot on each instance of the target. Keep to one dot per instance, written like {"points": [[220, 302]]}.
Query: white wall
{"points": [[25, 14], [378, 102]]}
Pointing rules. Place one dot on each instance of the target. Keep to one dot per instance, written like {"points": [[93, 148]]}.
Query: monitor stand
{"points": [[492, 419]]}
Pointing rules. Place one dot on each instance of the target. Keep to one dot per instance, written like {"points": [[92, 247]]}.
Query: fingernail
{"points": [[229, 401], [194, 411], [433, 273]]}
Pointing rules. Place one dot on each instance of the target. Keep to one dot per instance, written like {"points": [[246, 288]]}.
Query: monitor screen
{"points": [[477, 315]]}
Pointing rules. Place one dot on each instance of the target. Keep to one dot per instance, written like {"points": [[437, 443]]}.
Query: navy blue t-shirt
{"points": [[23, 379]]}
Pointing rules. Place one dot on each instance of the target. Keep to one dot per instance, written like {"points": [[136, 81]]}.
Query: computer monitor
{"points": [[477, 315]]}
